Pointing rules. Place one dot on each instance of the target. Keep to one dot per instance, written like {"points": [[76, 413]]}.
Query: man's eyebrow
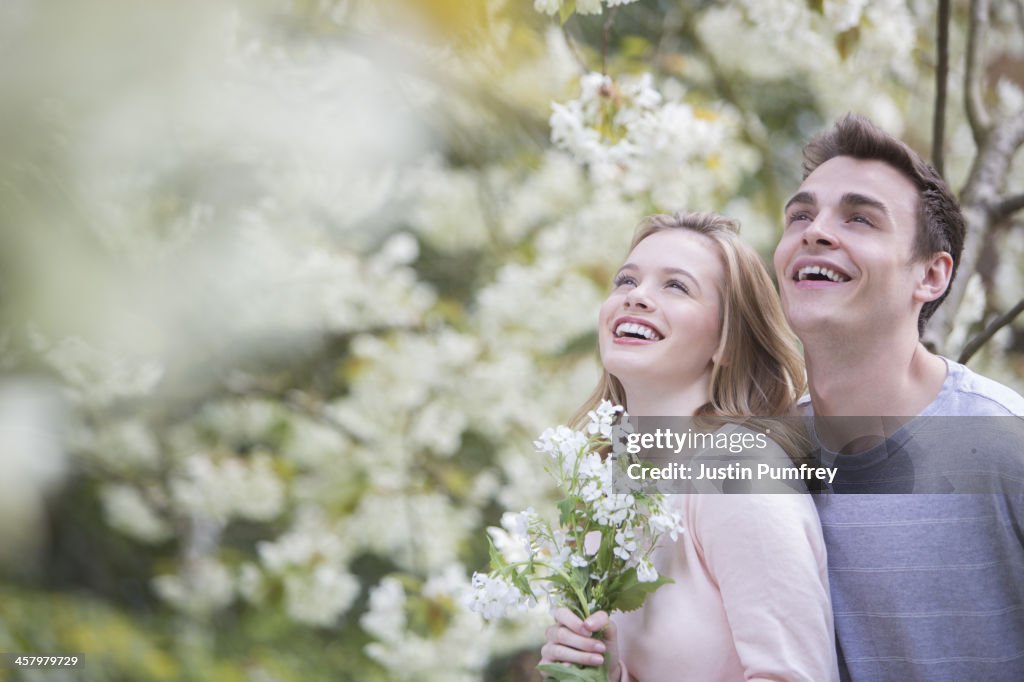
{"points": [[801, 198], [852, 199]]}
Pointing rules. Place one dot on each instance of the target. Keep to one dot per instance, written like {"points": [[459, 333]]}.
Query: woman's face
{"points": [[661, 322]]}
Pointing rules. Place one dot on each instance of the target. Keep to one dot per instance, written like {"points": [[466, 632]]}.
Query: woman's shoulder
{"points": [[748, 458]]}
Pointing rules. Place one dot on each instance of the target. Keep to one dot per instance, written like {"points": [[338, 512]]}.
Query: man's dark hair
{"points": [[940, 223]]}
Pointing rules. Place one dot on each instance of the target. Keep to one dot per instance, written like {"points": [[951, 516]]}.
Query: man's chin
{"points": [[817, 322]]}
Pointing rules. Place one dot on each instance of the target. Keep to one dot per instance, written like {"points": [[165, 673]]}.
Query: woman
{"points": [[693, 327]]}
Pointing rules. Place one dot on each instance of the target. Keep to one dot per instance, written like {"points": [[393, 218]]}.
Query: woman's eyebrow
{"points": [[684, 272], [666, 271]]}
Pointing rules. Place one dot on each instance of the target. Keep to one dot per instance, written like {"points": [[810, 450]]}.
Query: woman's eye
{"points": [[624, 280], [676, 284]]}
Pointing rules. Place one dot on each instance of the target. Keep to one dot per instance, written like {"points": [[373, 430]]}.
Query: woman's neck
{"points": [[651, 400]]}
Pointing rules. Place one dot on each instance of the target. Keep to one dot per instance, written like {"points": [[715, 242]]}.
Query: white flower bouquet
{"points": [[596, 559]]}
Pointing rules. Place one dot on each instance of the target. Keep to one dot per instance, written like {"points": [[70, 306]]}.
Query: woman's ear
{"points": [[719, 358], [934, 278]]}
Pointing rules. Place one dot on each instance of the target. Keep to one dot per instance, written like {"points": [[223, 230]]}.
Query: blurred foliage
{"points": [[288, 287]]}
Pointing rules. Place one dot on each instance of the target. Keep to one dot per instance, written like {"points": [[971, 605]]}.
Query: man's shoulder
{"points": [[967, 393]]}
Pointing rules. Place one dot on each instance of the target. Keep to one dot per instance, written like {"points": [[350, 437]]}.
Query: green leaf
{"points": [[521, 583], [559, 672], [631, 592], [566, 10], [566, 508], [605, 553], [497, 561], [846, 42]]}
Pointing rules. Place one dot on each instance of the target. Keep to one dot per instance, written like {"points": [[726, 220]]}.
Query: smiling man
{"points": [[924, 586]]}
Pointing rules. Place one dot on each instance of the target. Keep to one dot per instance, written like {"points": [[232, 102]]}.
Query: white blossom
{"points": [[231, 487], [319, 597], [308, 542], [385, 618], [494, 597], [602, 418], [666, 522], [547, 6], [251, 584], [201, 588], [645, 571], [625, 543], [614, 509], [129, 512]]}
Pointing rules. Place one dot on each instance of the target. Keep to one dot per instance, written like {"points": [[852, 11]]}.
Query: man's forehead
{"points": [[844, 178]]}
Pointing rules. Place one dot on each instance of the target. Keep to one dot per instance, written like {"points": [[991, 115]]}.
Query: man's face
{"points": [[845, 262]]}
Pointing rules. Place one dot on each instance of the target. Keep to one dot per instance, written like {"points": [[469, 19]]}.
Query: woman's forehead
{"points": [[675, 247]]}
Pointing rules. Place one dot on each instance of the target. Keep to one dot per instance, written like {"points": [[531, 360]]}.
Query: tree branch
{"points": [[572, 48], [300, 403], [606, 32], [975, 344], [941, 76], [977, 115], [979, 198], [1008, 206]]}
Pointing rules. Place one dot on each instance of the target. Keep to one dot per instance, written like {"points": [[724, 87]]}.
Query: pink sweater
{"points": [[750, 599]]}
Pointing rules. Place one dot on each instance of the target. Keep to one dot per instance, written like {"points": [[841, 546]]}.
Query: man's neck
{"points": [[885, 377]]}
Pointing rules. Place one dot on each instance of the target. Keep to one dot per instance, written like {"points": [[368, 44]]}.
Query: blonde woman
{"points": [[750, 598]]}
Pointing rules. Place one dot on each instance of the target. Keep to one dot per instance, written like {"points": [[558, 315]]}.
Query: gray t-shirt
{"points": [[930, 585]]}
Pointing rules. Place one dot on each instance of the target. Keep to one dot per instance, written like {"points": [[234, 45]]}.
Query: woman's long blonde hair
{"points": [[761, 373]]}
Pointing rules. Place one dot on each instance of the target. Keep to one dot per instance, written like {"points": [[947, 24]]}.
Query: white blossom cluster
{"points": [[310, 561], [132, 512], [96, 376], [540, 560], [581, 6], [272, 217], [847, 39], [458, 653], [226, 488], [635, 141], [200, 588]]}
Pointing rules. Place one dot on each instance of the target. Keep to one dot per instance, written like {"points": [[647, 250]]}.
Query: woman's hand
{"points": [[571, 640]]}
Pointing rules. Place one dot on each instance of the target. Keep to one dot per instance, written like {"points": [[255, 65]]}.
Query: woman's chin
{"points": [[628, 372]]}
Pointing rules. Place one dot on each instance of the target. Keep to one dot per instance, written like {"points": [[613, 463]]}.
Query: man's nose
{"points": [[820, 232]]}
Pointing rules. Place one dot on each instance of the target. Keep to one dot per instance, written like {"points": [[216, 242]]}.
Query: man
{"points": [[924, 586]]}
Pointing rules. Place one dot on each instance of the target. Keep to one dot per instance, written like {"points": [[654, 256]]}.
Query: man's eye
{"points": [[798, 216], [860, 219]]}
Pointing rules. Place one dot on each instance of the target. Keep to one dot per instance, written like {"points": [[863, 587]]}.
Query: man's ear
{"points": [[934, 277]]}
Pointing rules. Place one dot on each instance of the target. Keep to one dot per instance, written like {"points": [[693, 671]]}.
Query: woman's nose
{"points": [[638, 298]]}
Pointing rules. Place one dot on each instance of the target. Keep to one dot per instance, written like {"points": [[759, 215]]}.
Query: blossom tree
{"points": [[290, 287]]}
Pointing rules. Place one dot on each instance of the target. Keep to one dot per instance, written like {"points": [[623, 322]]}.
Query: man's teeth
{"points": [[633, 329], [808, 270]]}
